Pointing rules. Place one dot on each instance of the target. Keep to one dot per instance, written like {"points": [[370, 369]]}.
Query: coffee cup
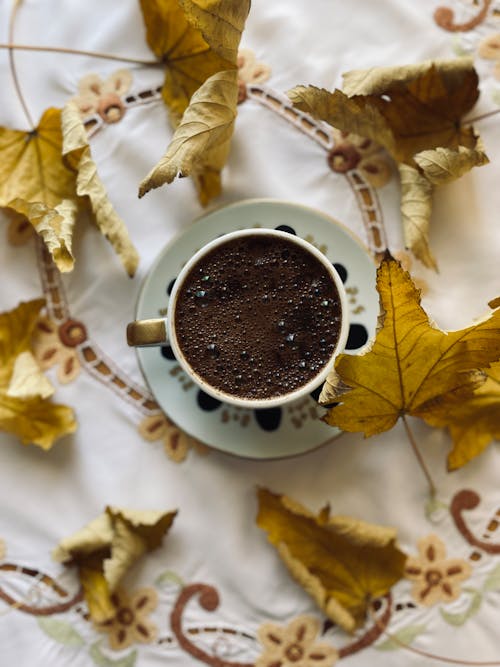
{"points": [[255, 318]]}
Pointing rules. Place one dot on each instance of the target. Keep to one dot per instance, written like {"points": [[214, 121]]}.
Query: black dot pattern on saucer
{"points": [[341, 270], [358, 335], [287, 229], [269, 419], [167, 352], [315, 394], [170, 286], [206, 402]]}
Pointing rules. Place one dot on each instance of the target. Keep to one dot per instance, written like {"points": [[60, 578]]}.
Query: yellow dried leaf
{"points": [[88, 184], [24, 409], [201, 143], [341, 562], [27, 380], [106, 548], [415, 112], [410, 365], [194, 41], [40, 183], [473, 422], [443, 165], [416, 209]]}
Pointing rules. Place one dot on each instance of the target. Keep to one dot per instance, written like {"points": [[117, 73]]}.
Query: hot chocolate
{"points": [[257, 317]]}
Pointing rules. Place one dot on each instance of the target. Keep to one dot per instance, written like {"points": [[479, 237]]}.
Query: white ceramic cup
{"points": [[146, 333]]}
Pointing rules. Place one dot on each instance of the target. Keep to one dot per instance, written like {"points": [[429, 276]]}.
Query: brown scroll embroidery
{"points": [[465, 501], [445, 17], [209, 600]]}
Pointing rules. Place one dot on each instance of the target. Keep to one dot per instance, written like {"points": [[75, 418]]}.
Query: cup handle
{"points": [[146, 333]]}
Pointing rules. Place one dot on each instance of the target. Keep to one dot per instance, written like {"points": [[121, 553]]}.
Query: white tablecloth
{"points": [[214, 540]]}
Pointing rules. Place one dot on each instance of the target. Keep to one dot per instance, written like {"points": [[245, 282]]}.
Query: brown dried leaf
{"points": [[341, 562]]}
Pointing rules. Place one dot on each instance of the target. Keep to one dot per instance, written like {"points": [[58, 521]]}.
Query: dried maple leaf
{"points": [[411, 364], [24, 390], [189, 60], [201, 143], [415, 113], [473, 422], [106, 548], [341, 562], [48, 188], [198, 41]]}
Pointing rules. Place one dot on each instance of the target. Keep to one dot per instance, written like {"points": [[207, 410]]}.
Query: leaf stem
{"points": [[425, 470], [12, 64], [76, 52], [482, 116]]}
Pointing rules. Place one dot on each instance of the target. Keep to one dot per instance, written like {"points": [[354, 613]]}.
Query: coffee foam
{"points": [[257, 317]]}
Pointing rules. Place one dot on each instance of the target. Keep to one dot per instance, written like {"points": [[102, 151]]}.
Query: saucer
{"points": [[270, 433]]}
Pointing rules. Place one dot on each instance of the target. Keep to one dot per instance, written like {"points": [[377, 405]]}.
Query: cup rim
{"points": [[260, 403]]}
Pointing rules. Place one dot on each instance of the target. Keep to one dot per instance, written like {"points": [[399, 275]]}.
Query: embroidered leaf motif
{"points": [[404, 636], [412, 367], [492, 582], [102, 660], [201, 143], [25, 410], [45, 186], [341, 562], [106, 548], [192, 43], [473, 608], [473, 422], [62, 632], [415, 112], [169, 577]]}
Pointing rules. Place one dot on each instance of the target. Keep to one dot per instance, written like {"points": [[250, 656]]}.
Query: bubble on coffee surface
{"points": [[258, 317]]}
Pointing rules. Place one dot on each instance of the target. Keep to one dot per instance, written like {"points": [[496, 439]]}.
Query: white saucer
{"points": [[277, 432]]}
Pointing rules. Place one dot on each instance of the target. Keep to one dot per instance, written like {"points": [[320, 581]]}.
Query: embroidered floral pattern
{"points": [[131, 625], [56, 345], [177, 443], [489, 49], [436, 578], [294, 645], [103, 97], [354, 152], [249, 71]]}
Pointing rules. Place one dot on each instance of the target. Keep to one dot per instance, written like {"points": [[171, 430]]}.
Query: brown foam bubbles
{"points": [[257, 317]]}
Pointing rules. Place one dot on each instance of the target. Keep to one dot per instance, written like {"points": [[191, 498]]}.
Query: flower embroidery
{"points": [[130, 624], [489, 49], [436, 578], [176, 442], [56, 345], [354, 152], [294, 645], [249, 71], [103, 97]]}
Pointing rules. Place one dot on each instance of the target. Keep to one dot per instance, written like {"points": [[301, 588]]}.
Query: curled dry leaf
{"points": [[473, 422], [341, 562], [24, 390], [411, 365], [106, 548], [201, 143], [48, 188], [88, 184], [189, 60], [415, 112], [197, 40]]}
